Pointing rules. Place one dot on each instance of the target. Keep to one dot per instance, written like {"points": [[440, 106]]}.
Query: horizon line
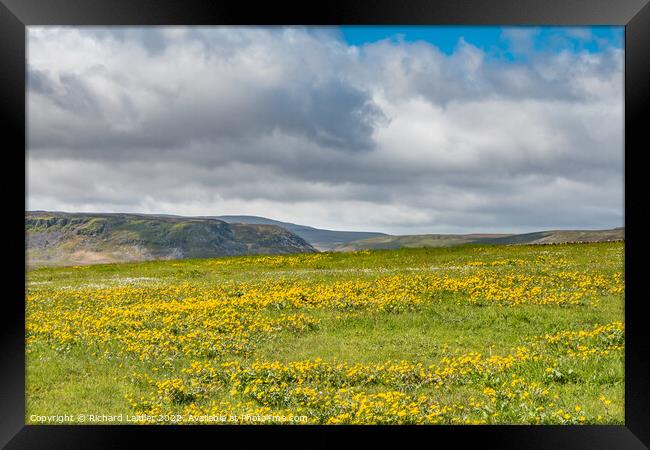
{"points": [[216, 217]]}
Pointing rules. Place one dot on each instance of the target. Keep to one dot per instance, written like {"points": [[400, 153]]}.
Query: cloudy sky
{"points": [[395, 129]]}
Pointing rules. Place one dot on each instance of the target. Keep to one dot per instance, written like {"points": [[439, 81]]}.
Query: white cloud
{"points": [[293, 124]]}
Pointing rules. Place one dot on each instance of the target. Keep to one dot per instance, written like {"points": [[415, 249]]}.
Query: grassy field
{"points": [[469, 334]]}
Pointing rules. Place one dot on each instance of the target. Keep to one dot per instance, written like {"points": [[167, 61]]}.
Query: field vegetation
{"points": [[461, 335]]}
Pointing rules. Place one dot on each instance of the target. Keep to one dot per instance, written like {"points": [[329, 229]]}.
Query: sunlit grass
{"points": [[475, 334]]}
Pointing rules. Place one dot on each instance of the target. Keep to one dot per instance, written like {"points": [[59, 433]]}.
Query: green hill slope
{"points": [[54, 238], [447, 240], [319, 238]]}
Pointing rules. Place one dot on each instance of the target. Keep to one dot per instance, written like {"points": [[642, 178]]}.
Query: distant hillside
{"points": [[447, 240], [419, 240], [563, 236], [54, 238], [320, 239]]}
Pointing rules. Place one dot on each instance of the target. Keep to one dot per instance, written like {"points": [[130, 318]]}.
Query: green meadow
{"points": [[471, 334]]}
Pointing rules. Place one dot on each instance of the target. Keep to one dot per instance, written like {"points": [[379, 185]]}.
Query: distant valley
{"points": [[342, 241], [320, 239]]}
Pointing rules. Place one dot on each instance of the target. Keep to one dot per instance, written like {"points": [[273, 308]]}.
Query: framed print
{"points": [[362, 217]]}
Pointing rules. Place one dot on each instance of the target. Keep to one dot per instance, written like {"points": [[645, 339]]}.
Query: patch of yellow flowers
{"points": [[216, 320], [218, 327], [399, 392]]}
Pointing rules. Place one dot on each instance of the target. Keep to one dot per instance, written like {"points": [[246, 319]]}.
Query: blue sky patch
{"points": [[508, 43]]}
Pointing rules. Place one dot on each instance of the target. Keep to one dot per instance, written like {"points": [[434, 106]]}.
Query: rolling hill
{"points": [[57, 238], [320, 239], [447, 240]]}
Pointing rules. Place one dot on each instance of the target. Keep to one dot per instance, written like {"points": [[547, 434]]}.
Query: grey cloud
{"points": [[520, 38], [333, 115], [322, 107], [151, 38], [70, 93]]}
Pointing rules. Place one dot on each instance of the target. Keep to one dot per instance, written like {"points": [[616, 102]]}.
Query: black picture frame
{"points": [[15, 15]]}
